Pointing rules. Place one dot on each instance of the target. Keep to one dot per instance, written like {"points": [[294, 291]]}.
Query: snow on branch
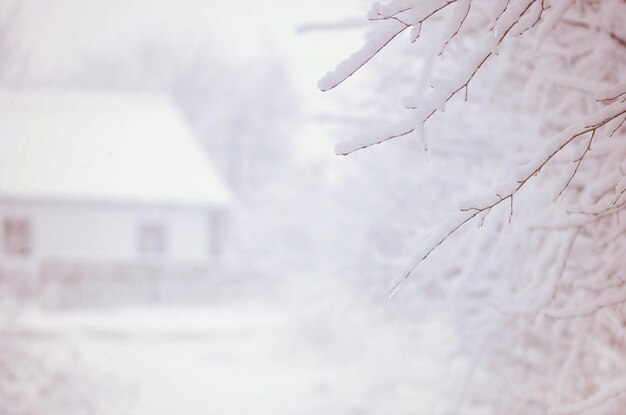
{"points": [[606, 392], [588, 307], [425, 107], [360, 58], [520, 177], [558, 65], [615, 92]]}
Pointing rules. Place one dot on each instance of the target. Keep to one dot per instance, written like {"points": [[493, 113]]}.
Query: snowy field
{"points": [[238, 359]]}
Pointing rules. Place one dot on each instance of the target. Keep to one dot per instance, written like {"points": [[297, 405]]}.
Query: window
{"points": [[152, 239], [16, 237]]}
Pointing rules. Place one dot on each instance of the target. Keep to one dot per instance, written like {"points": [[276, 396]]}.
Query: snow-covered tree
{"points": [[543, 280]]}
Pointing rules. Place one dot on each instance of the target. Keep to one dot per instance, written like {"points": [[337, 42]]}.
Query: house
{"points": [[104, 186]]}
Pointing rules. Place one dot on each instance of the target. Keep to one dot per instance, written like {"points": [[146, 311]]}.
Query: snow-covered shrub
{"points": [[47, 376]]}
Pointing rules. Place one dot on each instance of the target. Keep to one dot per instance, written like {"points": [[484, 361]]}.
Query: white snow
{"points": [[102, 147], [246, 358], [355, 61]]}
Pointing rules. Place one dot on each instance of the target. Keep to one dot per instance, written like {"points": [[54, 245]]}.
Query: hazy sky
{"points": [[57, 35], [54, 33]]}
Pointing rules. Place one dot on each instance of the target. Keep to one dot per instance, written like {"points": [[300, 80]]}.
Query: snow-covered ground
{"points": [[244, 359], [210, 361]]}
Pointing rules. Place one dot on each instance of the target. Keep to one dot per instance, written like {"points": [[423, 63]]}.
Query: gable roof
{"points": [[102, 147]]}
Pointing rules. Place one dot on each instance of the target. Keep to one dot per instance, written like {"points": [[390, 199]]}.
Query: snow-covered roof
{"points": [[109, 147]]}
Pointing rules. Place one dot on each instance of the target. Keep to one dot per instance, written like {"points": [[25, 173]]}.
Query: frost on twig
{"points": [[551, 256], [606, 392], [428, 106], [520, 178]]}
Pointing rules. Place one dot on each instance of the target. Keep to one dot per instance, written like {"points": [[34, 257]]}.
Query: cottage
{"points": [[91, 182]]}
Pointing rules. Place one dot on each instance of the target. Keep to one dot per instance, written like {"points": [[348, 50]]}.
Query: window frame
{"points": [[152, 239], [17, 236]]}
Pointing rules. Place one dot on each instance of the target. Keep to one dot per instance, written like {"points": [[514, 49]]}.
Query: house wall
{"points": [[65, 232]]}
